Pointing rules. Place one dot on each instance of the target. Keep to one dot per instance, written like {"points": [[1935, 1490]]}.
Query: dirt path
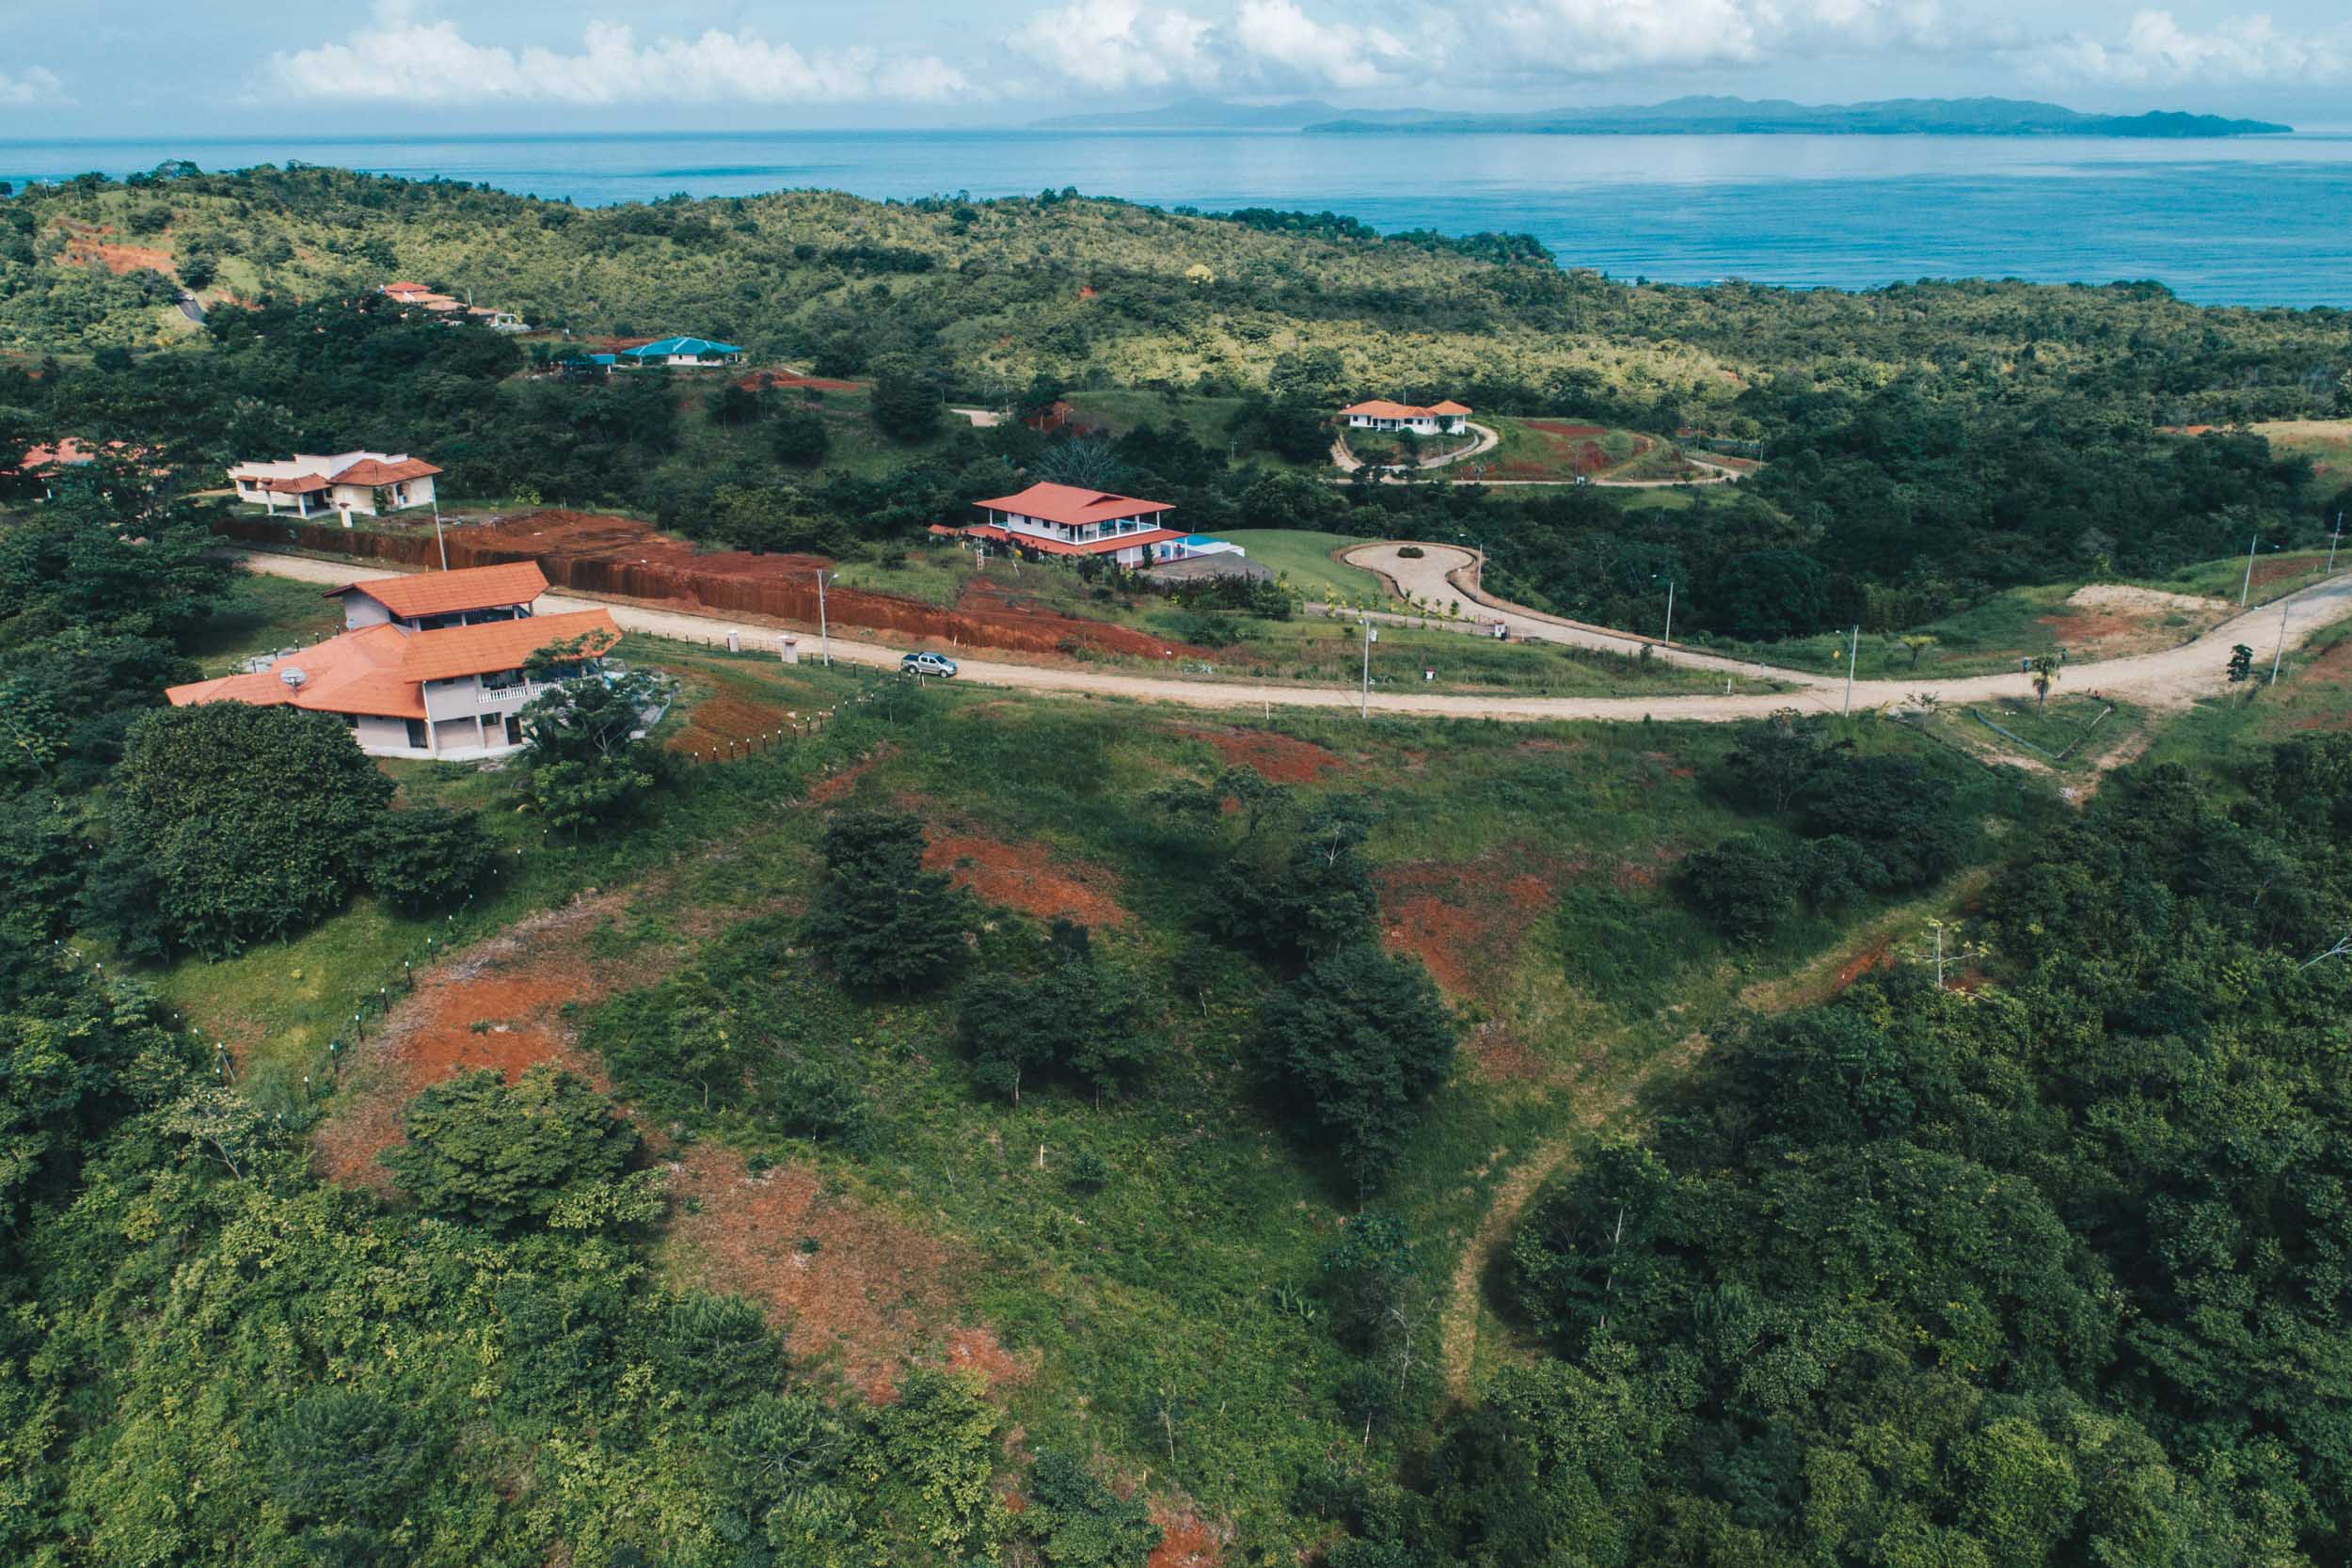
{"points": [[1458, 1329], [2172, 678], [1344, 459], [1821, 977]]}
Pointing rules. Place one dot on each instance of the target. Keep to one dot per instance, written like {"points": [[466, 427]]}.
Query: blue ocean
{"points": [[2252, 221]]}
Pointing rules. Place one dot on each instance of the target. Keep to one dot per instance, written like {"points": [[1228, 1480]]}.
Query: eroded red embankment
{"points": [[596, 554]]}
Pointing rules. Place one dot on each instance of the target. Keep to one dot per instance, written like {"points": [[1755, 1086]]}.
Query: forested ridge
{"points": [[1928, 443]]}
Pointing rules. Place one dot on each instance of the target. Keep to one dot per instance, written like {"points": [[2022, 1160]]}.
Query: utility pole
{"points": [[2281, 650], [824, 631], [1669, 637], [2333, 540], [1853, 652], [1366, 709], [439, 542], [2244, 593]]}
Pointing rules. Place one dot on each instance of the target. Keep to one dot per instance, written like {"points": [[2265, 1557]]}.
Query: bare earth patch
{"points": [[2122, 596], [1277, 758], [1466, 920], [1029, 878], [494, 1005], [849, 1286], [1186, 1540]]}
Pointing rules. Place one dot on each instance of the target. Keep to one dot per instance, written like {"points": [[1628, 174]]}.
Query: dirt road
{"points": [[2172, 678], [1430, 577]]}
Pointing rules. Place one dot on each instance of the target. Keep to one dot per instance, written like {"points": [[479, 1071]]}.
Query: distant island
{"points": [[1209, 114], [1695, 116]]}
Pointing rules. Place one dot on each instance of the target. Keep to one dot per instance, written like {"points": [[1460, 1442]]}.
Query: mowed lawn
{"points": [[1306, 561]]}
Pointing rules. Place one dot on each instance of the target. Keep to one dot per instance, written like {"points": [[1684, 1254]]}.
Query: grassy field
{"points": [[1566, 449], [1304, 560], [2026, 623], [1170, 1321], [2326, 443], [261, 614]]}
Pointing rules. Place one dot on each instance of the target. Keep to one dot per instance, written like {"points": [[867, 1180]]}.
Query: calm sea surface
{"points": [[2259, 221]]}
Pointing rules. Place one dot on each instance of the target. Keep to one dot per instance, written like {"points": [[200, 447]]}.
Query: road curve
{"points": [[2172, 678], [1430, 578]]}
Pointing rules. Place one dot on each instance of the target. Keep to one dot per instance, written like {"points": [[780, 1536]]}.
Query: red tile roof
{"points": [[440, 656], [371, 473], [380, 670], [1093, 546], [448, 592], [1072, 506], [298, 485], [1380, 408], [356, 672]]}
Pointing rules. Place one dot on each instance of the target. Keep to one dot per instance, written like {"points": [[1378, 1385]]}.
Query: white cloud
{"points": [[2156, 48], [400, 57], [1115, 45], [1587, 37], [32, 85], [1345, 54]]}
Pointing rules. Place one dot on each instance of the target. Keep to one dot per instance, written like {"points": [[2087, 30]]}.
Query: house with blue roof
{"points": [[681, 351]]}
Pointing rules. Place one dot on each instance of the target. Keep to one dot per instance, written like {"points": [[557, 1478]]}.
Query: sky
{"points": [[74, 68]]}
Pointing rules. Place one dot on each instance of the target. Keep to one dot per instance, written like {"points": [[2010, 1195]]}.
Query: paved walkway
{"points": [[2172, 678]]}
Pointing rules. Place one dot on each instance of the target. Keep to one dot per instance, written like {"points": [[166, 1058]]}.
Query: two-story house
{"points": [[1064, 519], [431, 665]]}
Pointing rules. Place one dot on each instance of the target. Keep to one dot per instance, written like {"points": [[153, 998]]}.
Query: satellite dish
{"points": [[293, 676]]}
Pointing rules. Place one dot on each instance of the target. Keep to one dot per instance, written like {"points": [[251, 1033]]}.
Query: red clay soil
{"points": [[2332, 669], [1466, 920], [117, 258], [760, 379], [2084, 629], [1276, 758], [718, 721], [495, 1006], [1873, 958], [2266, 572], [1186, 1540], [1029, 878], [837, 788], [1004, 609], [596, 554], [867, 1296]]}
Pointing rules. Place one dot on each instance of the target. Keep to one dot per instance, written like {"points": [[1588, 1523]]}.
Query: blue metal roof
{"points": [[668, 348]]}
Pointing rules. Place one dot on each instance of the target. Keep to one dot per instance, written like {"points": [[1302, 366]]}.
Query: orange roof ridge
{"points": [[455, 651], [424, 593]]}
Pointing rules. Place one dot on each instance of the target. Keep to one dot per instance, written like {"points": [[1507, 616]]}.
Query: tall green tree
{"points": [[1356, 1046], [251, 820], [880, 920]]}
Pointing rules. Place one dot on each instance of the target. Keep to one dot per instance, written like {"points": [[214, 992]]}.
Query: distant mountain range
{"points": [[1209, 114], [1939, 117]]}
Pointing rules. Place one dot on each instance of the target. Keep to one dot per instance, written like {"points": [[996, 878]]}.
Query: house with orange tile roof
{"points": [[417, 296], [346, 482], [1439, 419], [1071, 521], [434, 665]]}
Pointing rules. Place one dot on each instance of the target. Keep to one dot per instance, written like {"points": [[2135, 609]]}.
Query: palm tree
{"points": [[2045, 675]]}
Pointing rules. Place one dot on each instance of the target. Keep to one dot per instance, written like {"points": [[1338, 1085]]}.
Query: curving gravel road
{"points": [[2172, 678]]}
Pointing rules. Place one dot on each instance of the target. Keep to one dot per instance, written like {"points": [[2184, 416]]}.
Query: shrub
{"points": [[879, 918], [251, 819], [501, 1156], [426, 858]]}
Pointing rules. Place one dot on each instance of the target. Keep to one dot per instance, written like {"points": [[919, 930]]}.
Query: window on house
{"points": [[417, 741], [501, 680]]}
